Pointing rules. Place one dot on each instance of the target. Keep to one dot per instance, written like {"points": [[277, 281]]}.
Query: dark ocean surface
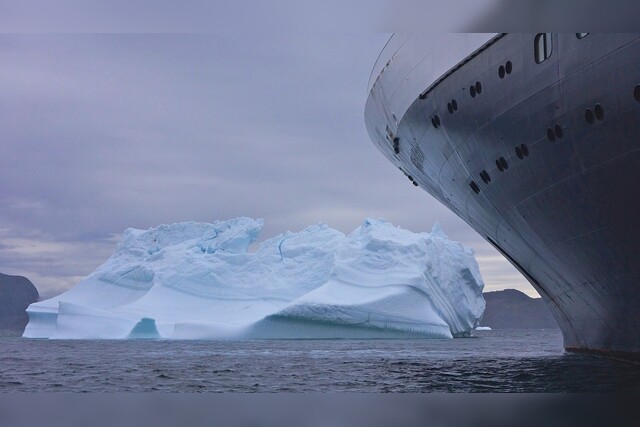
{"points": [[494, 361]]}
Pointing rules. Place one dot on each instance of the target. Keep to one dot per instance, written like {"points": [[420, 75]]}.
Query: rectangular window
{"points": [[542, 46]]}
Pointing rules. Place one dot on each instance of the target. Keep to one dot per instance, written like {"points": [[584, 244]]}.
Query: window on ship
{"points": [[581, 35], [542, 45]]}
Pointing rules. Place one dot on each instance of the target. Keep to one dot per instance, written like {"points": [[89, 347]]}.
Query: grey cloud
{"points": [[101, 133]]}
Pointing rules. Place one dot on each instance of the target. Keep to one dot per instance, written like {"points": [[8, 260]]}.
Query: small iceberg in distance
{"points": [[198, 281], [483, 328]]}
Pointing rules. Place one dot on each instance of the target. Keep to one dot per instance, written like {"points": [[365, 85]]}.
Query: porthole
{"points": [[588, 116], [415, 183], [454, 104], [478, 88], [581, 35], [508, 67], [504, 163], [474, 187], [519, 153], [433, 122], [636, 93], [499, 165], [525, 150], [501, 71], [550, 135], [599, 111], [472, 91], [558, 131], [396, 145], [437, 119], [485, 176], [450, 108]]}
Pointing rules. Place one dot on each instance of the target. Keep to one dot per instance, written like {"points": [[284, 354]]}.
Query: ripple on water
{"points": [[497, 361]]}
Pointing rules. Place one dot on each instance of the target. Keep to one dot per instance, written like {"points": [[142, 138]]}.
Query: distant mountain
{"points": [[512, 309], [16, 293]]}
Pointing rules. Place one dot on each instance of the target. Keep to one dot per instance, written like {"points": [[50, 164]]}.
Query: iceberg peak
{"points": [[232, 236], [437, 231]]}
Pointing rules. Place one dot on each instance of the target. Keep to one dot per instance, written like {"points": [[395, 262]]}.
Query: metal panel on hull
{"points": [[567, 215]]}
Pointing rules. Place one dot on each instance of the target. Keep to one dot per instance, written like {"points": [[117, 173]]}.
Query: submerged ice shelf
{"points": [[198, 281]]}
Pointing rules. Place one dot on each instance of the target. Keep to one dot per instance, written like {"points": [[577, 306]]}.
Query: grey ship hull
{"points": [[566, 214]]}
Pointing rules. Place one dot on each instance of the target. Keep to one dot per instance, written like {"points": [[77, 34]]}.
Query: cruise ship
{"points": [[534, 141]]}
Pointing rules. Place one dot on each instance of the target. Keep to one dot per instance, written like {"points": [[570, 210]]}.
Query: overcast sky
{"points": [[104, 132]]}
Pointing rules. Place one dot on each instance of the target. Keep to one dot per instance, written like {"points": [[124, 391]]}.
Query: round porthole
{"points": [[437, 119], [454, 104], [636, 93], [504, 163], [525, 150], [588, 116], [519, 153], [509, 67], [550, 135], [474, 187], [501, 71], [558, 131], [599, 112], [478, 88], [499, 165], [450, 107], [433, 122], [472, 91]]}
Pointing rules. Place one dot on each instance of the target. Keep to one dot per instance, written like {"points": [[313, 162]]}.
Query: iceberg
{"points": [[200, 281]]}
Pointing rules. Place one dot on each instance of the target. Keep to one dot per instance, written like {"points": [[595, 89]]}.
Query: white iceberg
{"points": [[198, 281]]}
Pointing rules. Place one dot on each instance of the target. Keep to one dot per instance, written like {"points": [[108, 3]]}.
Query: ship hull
{"points": [[542, 161]]}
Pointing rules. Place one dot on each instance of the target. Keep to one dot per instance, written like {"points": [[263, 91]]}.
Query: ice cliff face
{"points": [[198, 281]]}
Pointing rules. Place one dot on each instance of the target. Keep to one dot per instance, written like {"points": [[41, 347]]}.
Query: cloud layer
{"points": [[105, 132]]}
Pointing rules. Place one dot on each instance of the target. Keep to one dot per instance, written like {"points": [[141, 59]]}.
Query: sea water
{"points": [[492, 361]]}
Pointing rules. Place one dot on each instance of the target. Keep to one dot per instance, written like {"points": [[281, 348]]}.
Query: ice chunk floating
{"points": [[198, 281]]}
